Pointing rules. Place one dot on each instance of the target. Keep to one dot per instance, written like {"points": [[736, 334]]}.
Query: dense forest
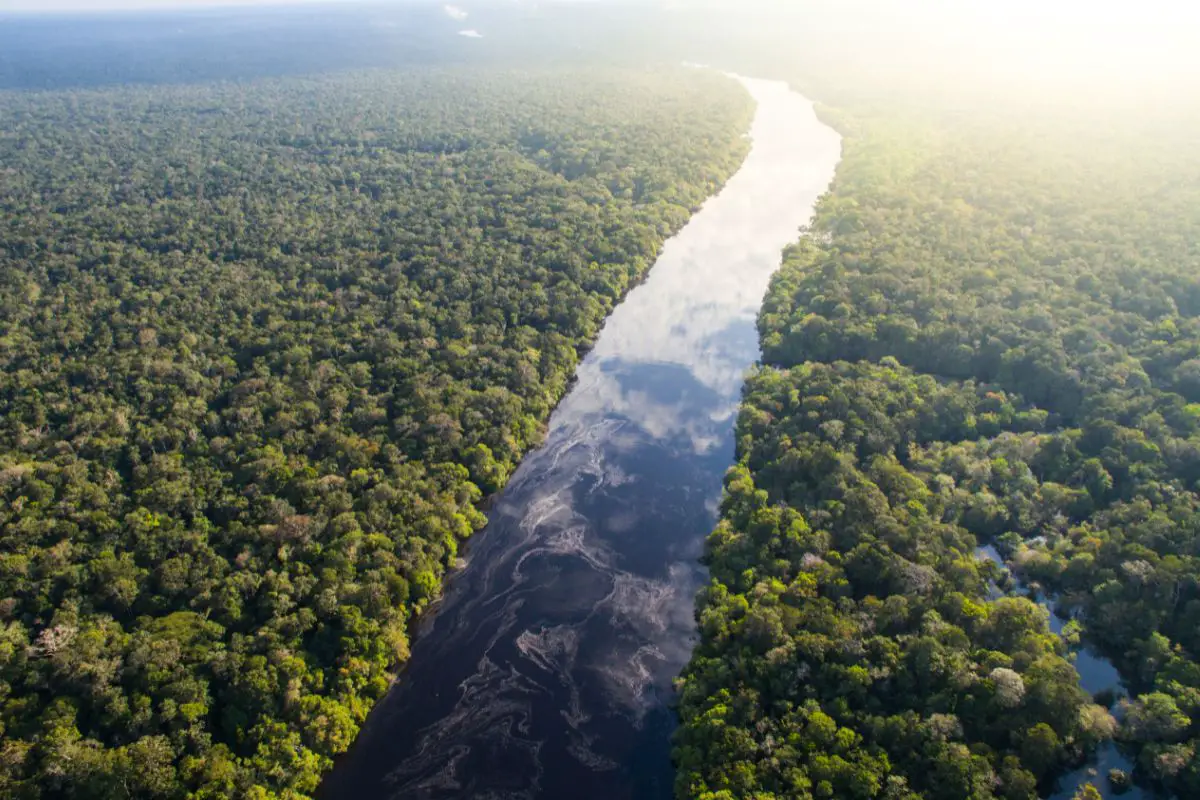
{"points": [[264, 348], [991, 336]]}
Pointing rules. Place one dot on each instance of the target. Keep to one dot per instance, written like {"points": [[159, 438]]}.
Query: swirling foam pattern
{"points": [[547, 669]]}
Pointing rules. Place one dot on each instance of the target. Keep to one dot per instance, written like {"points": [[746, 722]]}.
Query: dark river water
{"points": [[547, 670]]}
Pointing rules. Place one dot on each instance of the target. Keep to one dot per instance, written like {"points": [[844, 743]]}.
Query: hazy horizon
{"points": [[85, 6], [1060, 35], [982, 49]]}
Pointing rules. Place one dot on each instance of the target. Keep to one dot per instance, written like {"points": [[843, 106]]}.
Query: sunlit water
{"points": [[547, 671]]}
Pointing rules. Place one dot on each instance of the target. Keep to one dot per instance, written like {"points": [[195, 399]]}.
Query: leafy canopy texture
{"points": [[264, 346], [991, 336]]}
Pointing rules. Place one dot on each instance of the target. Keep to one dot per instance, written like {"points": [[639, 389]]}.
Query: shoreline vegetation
{"points": [[990, 335], [264, 348], [269, 345]]}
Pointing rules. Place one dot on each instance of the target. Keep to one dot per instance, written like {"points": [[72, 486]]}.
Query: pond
{"points": [[1096, 674]]}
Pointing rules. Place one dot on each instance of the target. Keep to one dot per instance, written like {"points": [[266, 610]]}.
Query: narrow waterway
{"points": [[547, 670]]}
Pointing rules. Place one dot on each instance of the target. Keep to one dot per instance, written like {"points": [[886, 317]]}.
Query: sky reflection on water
{"points": [[547, 670]]}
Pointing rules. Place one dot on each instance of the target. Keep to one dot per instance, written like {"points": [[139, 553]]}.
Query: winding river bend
{"points": [[547, 669]]}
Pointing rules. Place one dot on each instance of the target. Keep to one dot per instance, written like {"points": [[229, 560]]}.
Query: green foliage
{"points": [[263, 348], [990, 336]]}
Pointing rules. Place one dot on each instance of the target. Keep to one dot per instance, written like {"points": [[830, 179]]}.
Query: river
{"points": [[546, 671]]}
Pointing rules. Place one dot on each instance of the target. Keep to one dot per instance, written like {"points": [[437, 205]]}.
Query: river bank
{"points": [[547, 670]]}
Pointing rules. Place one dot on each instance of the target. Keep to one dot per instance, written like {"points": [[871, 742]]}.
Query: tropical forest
{"points": [[990, 336], [625, 399], [265, 349]]}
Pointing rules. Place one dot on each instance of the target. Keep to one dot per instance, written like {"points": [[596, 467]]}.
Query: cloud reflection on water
{"points": [[545, 672]]}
